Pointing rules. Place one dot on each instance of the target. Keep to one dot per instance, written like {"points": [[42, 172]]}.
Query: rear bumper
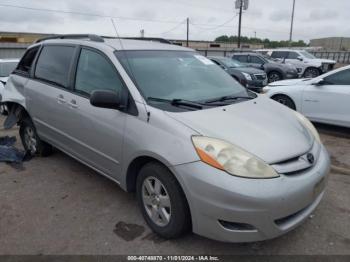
{"points": [[252, 210]]}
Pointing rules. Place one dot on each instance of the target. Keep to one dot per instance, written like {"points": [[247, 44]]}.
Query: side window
{"points": [[54, 63], [293, 55], [241, 58], [27, 60], [341, 78], [95, 72], [279, 54], [256, 60]]}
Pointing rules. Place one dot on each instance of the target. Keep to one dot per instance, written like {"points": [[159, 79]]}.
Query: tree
{"points": [[266, 42]]}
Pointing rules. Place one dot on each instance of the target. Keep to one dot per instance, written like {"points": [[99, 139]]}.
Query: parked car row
{"points": [[250, 77], [324, 99], [202, 153], [307, 64]]}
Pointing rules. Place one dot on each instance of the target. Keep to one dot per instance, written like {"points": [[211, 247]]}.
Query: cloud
{"points": [[323, 14], [280, 15], [269, 18]]}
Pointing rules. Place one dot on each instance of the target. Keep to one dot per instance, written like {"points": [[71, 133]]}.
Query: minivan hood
{"points": [[261, 126]]}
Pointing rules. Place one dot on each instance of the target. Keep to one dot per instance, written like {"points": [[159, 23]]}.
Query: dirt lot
{"points": [[56, 205]]}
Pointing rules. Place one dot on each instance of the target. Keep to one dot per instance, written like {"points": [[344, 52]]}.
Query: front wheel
{"points": [[274, 77], [285, 100], [162, 201], [311, 72], [31, 141]]}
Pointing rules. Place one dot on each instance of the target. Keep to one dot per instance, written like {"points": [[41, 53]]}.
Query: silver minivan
{"points": [[201, 152]]}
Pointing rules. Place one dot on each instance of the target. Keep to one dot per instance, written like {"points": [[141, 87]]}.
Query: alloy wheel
{"points": [[156, 201], [30, 139]]}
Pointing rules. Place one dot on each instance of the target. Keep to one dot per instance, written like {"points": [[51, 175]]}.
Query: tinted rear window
{"points": [[241, 58], [26, 62], [279, 54], [54, 63]]}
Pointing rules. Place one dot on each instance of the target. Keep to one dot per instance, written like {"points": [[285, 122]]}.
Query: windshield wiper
{"points": [[228, 98], [178, 102]]}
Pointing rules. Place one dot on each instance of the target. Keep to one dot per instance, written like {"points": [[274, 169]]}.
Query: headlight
{"points": [[308, 125], [232, 159], [247, 76]]}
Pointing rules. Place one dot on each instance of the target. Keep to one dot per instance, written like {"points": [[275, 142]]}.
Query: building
{"points": [[214, 48], [332, 43], [13, 45]]}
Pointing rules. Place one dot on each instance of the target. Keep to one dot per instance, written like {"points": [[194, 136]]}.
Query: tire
{"points": [[31, 141], [274, 76], [171, 218], [311, 72], [285, 100]]}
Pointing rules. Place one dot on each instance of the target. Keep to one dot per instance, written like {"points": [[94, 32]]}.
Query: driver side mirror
{"points": [[320, 82], [106, 99], [300, 58]]}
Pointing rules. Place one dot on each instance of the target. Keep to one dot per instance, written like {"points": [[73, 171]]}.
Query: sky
{"points": [[166, 18]]}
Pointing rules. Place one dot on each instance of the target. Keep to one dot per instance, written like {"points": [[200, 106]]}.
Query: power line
{"points": [[174, 28], [216, 27], [132, 18], [87, 14]]}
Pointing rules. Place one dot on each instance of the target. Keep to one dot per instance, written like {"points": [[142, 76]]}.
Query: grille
{"points": [[260, 76]]}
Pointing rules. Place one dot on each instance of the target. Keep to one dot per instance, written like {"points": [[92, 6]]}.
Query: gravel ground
{"points": [[56, 205]]}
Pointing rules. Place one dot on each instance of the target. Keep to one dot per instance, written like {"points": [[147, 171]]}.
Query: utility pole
{"points": [[291, 25], [241, 5], [240, 22], [188, 31]]}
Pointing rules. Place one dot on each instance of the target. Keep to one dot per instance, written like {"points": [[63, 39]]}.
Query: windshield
{"points": [[7, 68], [231, 63], [170, 75], [307, 55]]}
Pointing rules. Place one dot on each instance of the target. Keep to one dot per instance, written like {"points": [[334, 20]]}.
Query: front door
{"points": [[96, 133], [330, 101]]}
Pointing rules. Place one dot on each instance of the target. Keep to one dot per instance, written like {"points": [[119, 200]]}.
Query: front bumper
{"points": [[257, 85], [252, 209]]}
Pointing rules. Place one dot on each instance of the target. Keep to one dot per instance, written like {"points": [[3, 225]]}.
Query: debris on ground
{"points": [[10, 154]]}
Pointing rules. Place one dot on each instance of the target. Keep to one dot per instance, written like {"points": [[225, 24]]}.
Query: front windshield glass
{"points": [[178, 75], [7, 68], [307, 55], [231, 63]]}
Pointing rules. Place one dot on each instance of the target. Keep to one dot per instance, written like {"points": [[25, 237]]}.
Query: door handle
{"points": [[73, 103], [61, 100]]}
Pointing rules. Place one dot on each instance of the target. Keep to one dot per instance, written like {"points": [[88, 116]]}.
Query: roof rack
{"points": [[91, 37], [152, 39]]}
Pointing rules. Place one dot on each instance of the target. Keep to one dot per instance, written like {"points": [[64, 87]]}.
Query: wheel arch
{"points": [[286, 95], [18, 110], [134, 168]]}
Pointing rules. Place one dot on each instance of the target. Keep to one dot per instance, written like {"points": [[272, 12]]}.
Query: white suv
{"points": [[307, 64]]}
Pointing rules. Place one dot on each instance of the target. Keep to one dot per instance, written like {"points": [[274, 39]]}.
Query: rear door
{"points": [[329, 102], [96, 134], [47, 93]]}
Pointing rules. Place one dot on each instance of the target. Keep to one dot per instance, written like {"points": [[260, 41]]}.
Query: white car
{"points": [[324, 99], [7, 66], [307, 64]]}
